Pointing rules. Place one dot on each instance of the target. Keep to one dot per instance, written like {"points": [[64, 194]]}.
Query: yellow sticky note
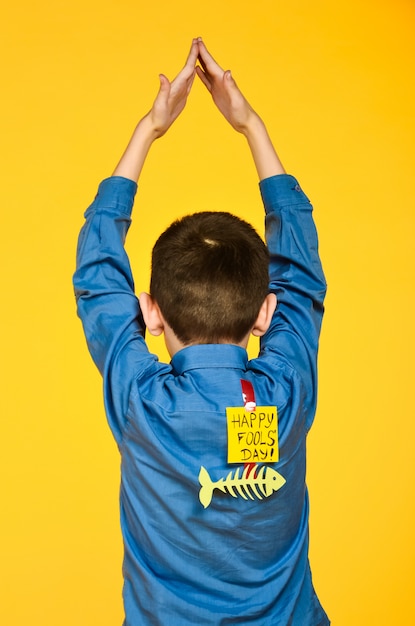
{"points": [[252, 435]]}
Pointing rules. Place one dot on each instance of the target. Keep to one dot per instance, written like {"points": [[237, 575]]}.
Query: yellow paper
{"points": [[252, 435]]}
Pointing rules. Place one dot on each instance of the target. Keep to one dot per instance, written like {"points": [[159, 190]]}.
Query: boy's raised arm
{"points": [[103, 281], [296, 276]]}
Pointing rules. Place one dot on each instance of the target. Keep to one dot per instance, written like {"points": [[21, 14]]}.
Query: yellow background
{"points": [[334, 82]]}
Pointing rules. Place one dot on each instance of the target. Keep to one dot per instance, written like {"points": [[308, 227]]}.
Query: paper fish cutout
{"points": [[252, 482]]}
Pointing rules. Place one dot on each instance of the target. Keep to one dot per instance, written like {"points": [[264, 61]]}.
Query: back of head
{"points": [[210, 277]]}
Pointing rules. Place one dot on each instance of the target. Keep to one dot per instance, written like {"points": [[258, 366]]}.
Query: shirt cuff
{"points": [[282, 191], [117, 193]]}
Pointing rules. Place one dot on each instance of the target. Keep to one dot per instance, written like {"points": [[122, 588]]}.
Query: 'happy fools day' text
{"points": [[252, 436]]}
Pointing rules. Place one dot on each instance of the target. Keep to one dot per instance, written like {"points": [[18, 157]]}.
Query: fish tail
{"points": [[206, 490]]}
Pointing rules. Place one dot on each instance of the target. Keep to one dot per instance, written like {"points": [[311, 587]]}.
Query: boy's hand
{"points": [[225, 92], [168, 105], [172, 97], [239, 113]]}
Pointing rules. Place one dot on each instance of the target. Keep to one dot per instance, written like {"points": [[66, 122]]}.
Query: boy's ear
{"points": [[265, 315], [151, 314]]}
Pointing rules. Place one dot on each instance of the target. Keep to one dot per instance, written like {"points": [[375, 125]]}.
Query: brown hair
{"points": [[210, 277]]}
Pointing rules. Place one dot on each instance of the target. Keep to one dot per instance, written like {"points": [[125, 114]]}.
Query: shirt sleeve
{"points": [[106, 302], [297, 279]]}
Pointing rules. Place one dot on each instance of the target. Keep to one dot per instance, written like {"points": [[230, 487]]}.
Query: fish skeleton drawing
{"points": [[252, 482]]}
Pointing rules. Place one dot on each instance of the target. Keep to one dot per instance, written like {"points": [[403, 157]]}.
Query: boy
{"points": [[214, 507]]}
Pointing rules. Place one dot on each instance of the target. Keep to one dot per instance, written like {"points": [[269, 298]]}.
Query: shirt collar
{"points": [[220, 355]]}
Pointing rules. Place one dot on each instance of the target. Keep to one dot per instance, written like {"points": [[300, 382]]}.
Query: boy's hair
{"points": [[210, 277]]}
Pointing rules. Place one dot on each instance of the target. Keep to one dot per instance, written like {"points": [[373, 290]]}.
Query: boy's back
{"points": [[208, 541]]}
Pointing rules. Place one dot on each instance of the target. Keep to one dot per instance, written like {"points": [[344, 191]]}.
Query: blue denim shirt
{"points": [[243, 558]]}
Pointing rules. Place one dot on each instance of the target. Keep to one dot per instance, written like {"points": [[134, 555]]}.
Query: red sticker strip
{"points": [[248, 396]]}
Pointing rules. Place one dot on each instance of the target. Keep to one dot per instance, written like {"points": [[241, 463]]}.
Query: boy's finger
{"points": [[202, 63], [189, 67], [164, 82], [164, 88], [203, 78], [193, 54], [190, 83], [207, 59]]}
